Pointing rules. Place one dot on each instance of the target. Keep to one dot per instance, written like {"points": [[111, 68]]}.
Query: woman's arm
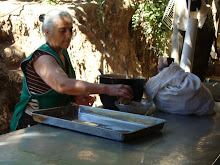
{"points": [[52, 74]]}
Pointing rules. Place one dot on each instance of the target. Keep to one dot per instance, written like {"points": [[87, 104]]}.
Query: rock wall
{"points": [[10, 82], [86, 48], [21, 34]]}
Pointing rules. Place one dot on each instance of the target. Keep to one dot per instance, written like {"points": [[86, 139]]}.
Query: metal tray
{"points": [[105, 123]]}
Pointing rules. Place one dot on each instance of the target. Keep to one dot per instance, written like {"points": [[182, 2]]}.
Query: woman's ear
{"points": [[47, 33]]}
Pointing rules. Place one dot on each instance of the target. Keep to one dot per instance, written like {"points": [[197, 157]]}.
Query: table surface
{"points": [[184, 140]]}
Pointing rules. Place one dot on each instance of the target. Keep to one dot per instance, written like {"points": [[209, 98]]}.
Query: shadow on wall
{"points": [[116, 38], [10, 78]]}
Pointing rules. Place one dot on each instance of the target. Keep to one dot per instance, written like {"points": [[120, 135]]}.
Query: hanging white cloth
{"points": [[182, 14], [175, 91]]}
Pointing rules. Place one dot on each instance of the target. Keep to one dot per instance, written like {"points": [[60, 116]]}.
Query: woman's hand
{"points": [[120, 90], [84, 100]]}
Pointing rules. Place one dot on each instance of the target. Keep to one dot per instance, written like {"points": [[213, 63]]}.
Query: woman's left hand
{"points": [[84, 100]]}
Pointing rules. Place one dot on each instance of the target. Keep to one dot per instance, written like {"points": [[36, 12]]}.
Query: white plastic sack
{"points": [[175, 91]]}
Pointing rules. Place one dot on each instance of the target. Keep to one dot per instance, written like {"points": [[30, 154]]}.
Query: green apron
{"points": [[46, 100]]}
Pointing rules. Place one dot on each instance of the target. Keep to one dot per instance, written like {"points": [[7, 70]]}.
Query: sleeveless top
{"points": [[48, 99], [34, 82]]}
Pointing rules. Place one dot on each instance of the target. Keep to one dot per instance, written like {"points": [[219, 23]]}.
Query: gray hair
{"points": [[50, 18]]}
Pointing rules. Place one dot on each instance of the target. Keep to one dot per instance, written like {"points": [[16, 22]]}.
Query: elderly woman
{"points": [[49, 78]]}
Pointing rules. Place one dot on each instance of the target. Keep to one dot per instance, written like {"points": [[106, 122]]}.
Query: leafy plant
{"points": [[148, 15], [51, 2], [100, 12]]}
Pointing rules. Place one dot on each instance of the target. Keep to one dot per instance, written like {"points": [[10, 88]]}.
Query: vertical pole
{"points": [[177, 38], [103, 35], [175, 48], [189, 6]]}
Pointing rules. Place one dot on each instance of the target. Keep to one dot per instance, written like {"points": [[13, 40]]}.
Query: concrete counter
{"points": [[184, 140]]}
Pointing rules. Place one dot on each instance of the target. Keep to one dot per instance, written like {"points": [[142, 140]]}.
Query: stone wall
{"points": [[86, 47]]}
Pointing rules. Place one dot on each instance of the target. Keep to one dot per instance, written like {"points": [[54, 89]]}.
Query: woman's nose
{"points": [[69, 33]]}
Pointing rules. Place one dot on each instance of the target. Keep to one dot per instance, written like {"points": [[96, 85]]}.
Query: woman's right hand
{"points": [[84, 100], [120, 90]]}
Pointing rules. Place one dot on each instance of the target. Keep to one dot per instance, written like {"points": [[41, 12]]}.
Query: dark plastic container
{"points": [[137, 85]]}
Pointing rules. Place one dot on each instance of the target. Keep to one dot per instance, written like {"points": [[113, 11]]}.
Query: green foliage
{"points": [[100, 12], [148, 17], [51, 2]]}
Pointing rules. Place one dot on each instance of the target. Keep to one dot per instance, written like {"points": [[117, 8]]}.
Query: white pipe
{"points": [[187, 56]]}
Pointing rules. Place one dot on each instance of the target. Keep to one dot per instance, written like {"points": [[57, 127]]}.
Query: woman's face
{"points": [[62, 33]]}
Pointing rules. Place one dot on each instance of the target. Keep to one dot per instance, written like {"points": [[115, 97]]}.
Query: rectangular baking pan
{"points": [[105, 123]]}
